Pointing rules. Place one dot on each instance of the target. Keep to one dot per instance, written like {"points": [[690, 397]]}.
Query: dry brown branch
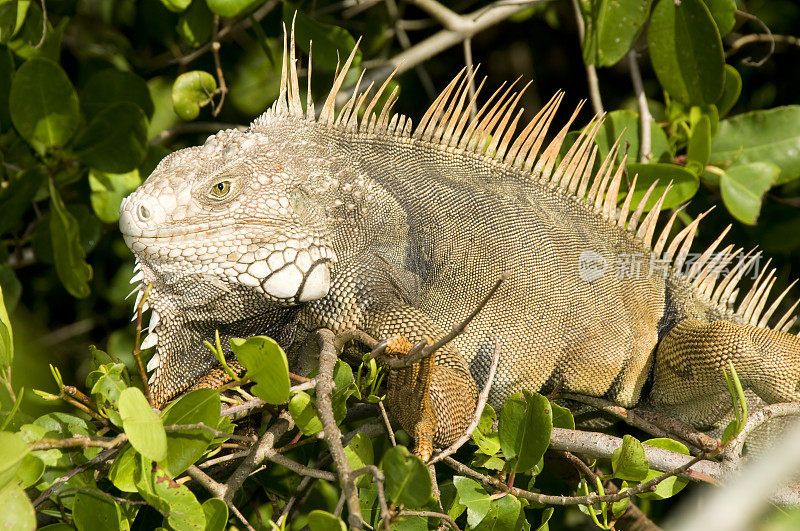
{"points": [[732, 451], [222, 88], [432, 514], [591, 71], [386, 422], [648, 422], [378, 477]]}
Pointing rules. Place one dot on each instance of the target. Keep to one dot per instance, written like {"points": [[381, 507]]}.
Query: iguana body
{"points": [[333, 221]]}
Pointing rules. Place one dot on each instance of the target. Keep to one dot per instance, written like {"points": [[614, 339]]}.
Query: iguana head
{"points": [[231, 236]]}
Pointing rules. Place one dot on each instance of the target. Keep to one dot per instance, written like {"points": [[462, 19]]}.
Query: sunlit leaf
{"points": [[611, 28], [474, 497], [407, 478], [686, 51], [68, 253], [12, 451], [743, 188], [184, 447], [142, 425], [108, 190], [191, 91], [304, 414], [629, 461], [43, 104], [266, 365], [93, 511], [17, 513]]}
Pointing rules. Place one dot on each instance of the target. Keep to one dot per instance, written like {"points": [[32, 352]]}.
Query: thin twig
{"points": [[645, 118], [473, 109], [591, 71], [386, 422], [379, 479], [222, 89], [745, 40], [432, 514], [96, 460], [747, 61], [476, 417]]}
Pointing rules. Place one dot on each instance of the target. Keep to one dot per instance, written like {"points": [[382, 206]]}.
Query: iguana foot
{"points": [[430, 400]]}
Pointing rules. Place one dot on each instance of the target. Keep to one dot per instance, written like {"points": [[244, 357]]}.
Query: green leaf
{"points": [[216, 512], [407, 478], [184, 447], [723, 12], [176, 502], [266, 365], [12, 16], [525, 424], [304, 414], [684, 184], [626, 123], [562, 417], [30, 471], [6, 336], [17, 513], [332, 44], [12, 451], [628, 461], [504, 513], [699, 148], [93, 511], [68, 253], [743, 188], [176, 6], [730, 91], [231, 8], [195, 25], [43, 104], [611, 29], [324, 521], [686, 51], [191, 91], [475, 497], [484, 436], [111, 86], [123, 470], [672, 485], [142, 425], [255, 80], [771, 135], [115, 141], [360, 454], [108, 190]]}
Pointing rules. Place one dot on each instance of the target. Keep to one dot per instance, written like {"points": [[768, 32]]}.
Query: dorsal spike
{"points": [[500, 133], [383, 119], [782, 324], [587, 176], [610, 205], [459, 137], [707, 277], [648, 227], [774, 306], [281, 104], [366, 120], [583, 171], [607, 163], [350, 105], [698, 264], [293, 92], [756, 306], [662, 239], [626, 204], [430, 120], [573, 163], [532, 130], [487, 128], [310, 115], [329, 108], [634, 221], [717, 291], [529, 152], [475, 125], [687, 244], [450, 120], [737, 273], [755, 288], [544, 165]]}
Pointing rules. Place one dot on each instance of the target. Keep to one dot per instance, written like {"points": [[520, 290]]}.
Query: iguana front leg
{"points": [[691, 358], [433, 400]]}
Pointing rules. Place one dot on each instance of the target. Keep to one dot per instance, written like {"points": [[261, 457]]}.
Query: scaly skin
{"points": [[300, 223]]}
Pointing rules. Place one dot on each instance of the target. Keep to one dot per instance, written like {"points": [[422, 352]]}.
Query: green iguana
{"points": [[357, 220]]}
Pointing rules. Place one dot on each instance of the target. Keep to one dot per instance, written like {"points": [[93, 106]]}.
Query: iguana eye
{"points": [[221, 189]]}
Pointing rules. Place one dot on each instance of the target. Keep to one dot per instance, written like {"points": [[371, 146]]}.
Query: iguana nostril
{"points": [[144, 213]]}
